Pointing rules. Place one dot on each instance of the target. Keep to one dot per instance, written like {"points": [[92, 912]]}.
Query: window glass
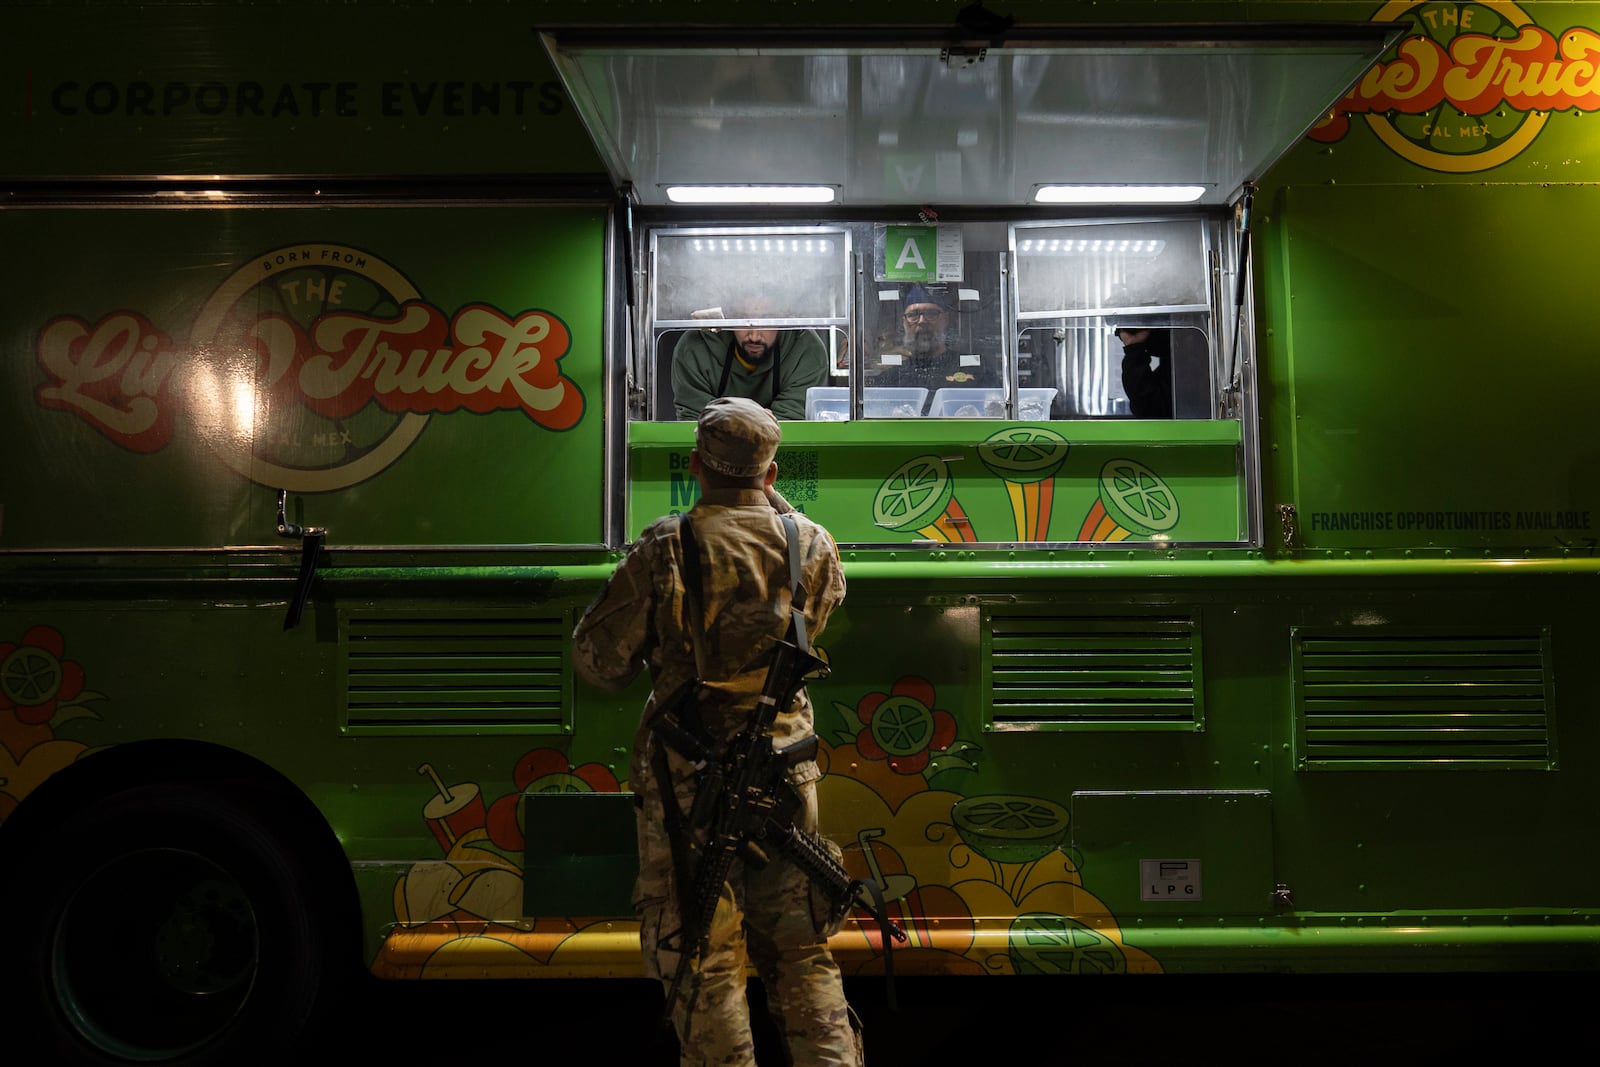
{"points": [[938, 348], [1097, 267], [1115, 317], [1160, 373], [714, 277], [928, 320], [755, 312]]}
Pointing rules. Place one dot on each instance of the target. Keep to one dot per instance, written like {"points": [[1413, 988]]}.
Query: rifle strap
{"points": [[688, 933], [672, 817], [679, 833], [694, 617], [875, 905], [797, 590]]}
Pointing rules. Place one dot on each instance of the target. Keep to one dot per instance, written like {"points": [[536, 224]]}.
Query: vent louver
{"points": [[1377, 700], [1049, 672], [417, 672]]}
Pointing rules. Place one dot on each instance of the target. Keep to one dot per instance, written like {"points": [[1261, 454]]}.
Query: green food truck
{"points": [[345, 348]]}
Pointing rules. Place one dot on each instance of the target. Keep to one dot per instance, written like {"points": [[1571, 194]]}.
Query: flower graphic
{"points": [[903, 727], [546, 770], [543, 770], [34, 679]]}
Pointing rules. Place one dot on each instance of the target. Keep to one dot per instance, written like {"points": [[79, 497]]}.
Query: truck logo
{"points": [[311, 369], [1472, 88]]}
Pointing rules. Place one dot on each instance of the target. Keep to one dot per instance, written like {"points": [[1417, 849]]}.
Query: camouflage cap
{"points": [[737, 437]]}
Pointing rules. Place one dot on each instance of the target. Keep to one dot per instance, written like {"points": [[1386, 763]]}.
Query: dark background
{"points": [[1356, 1020]]}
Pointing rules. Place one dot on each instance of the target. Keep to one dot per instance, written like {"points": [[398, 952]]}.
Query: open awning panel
{"points": [[932, 118]]}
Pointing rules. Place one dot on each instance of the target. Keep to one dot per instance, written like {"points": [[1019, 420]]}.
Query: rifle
{"points": [[744, 797]]}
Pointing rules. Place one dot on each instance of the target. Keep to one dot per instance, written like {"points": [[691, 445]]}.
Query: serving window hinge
{"points": [[1291, 531]]}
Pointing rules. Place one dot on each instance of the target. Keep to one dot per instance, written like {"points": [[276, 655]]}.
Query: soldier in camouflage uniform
{"points": [[772, 917]]}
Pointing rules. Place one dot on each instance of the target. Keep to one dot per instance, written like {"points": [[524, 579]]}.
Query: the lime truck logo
{"points": [[1472, 87], [310, 369]]}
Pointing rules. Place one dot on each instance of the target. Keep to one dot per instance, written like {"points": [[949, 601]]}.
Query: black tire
{"points": [[171, 924]]}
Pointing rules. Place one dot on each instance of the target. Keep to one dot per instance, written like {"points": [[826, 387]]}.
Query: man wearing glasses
{"points": [[923, 356]]}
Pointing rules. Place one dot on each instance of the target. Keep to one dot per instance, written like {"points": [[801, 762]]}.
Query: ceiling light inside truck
{"points": [[1118, 194], [750, 194]]}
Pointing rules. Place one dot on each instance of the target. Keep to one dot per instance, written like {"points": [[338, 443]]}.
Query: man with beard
{"points": [[923, 356], [772, 367]]}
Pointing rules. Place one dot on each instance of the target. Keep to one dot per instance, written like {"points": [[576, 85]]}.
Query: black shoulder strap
{"points": [[691, 556], [690, 548], [694, 618]]}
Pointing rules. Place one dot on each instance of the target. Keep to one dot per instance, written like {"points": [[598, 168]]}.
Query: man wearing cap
{"points": [[923, 356], [642, 619], [772, 367]]}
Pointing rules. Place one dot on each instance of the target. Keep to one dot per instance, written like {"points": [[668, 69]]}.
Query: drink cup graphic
{"points": [[454, 810], [1134, 501], [1026, 458], [920, 495]]}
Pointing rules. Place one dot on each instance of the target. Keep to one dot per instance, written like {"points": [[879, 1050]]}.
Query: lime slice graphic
{"points": [[560, 782], [1024, 453], [30, 676], [1137, 498], [1042, 943], [1010, 829], [914, 495], [902, 726]]}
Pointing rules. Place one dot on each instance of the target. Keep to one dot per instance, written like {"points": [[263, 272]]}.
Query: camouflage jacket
{"points": [[640, 621]]}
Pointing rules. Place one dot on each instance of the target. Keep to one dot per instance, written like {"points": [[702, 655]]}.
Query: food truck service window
{"points": [[1114, 319], [756, 312], [1116, 316], [950, 336]]}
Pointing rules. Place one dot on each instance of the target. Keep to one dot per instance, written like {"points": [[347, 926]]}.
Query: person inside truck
{"points": [[922, 355], [772, 367], [1147, 372]]}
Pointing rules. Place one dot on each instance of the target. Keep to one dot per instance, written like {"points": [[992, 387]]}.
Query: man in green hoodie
{"points": [[772, 367]]}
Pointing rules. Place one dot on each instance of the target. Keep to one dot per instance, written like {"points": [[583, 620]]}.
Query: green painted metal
{"points": [[369, 89], [1061, 671], [581, 859], [1423, 372], [917, 481], [110, 364], [1484, 943]]}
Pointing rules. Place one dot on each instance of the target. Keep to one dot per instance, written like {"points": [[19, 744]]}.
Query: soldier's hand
{"points": [[776, 499]]}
